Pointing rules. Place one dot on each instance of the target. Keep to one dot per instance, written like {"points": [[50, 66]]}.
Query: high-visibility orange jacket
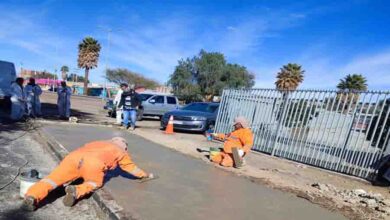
{"points": [[107, 156], [241, 138]]}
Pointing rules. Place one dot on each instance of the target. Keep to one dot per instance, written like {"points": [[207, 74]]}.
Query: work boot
{"points": [[29, 204], [71, 196], [236, 158]]}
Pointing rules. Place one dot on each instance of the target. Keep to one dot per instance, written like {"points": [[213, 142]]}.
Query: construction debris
{"points": [[356, 197]]}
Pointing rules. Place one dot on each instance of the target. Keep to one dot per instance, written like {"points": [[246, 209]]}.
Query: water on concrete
{"points": [[188, 188]]}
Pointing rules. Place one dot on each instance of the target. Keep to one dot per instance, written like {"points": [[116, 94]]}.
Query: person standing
{"points": [[18, 99], [32, 93], [130, 102], [63, 102], [117, 100]]}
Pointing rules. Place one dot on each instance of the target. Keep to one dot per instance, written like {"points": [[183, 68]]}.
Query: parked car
{"points": [[197, 116], [158, 104], [111, 110]]}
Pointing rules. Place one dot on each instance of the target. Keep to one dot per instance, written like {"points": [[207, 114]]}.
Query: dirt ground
{"points": [[18, 148], [274, 172]]}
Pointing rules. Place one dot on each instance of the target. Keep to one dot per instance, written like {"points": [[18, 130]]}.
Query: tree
{"points": [[184, 83], [236, 76], [349, 89], [289, 77], [287, 80], [64, 71], [206, 75], [75, 78], [89, 51], [209, 69], [353, 83], [119, 76]]}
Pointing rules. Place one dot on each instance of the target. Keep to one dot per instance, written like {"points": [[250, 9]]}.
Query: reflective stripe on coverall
{"points": [[63, 101], [241, 138], [18, 108], [32, 93], [89, 162]]}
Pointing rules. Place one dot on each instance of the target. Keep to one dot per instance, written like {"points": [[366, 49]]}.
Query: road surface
{"points": [[188, 188]]}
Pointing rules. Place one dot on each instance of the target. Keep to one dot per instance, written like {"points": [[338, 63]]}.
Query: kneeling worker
{"points": [[89, 162], [237, 144]]}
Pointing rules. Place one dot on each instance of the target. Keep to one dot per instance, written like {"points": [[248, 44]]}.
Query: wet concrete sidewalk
{"points": [[188, 188]]}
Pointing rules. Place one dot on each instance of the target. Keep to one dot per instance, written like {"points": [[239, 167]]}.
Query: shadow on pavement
{"points": [[115, 173], [15, 214], [50, 112], [7, 128]]}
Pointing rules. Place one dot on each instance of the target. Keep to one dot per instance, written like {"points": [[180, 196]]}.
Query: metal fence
{"points": [[344, 132]]}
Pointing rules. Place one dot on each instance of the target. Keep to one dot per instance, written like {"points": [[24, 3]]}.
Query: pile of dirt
{"points": [[372, 205]]}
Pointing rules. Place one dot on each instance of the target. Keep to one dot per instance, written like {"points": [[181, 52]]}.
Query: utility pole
{"points": [[109, 31]]}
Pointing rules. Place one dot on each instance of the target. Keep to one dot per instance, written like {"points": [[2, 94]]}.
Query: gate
{"points": [[344, 132]]}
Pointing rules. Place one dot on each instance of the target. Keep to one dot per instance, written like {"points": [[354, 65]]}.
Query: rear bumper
{"points": [[186, 125]]}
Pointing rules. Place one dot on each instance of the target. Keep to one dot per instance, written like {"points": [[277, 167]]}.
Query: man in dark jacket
{"points": [[130, 102]]}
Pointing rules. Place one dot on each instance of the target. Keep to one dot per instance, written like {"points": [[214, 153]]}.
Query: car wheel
{"points": [[140, 115]]}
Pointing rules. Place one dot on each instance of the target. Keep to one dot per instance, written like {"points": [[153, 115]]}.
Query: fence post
{"points": [[284, 104]]}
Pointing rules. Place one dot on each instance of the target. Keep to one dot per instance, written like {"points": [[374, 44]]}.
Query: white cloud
{"points": [[26, 31], [376, 67]]}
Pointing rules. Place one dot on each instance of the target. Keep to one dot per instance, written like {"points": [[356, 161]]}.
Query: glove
{"points": [[241, 153], [148, 176]]}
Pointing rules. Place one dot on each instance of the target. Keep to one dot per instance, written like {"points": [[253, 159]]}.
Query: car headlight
{"points": [[198, 118]]}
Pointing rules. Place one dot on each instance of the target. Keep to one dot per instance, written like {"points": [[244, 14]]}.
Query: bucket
{"points": [[27, 179], [214, 151], [208, 134]]}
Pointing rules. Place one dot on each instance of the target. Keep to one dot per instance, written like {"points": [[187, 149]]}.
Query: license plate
{"points": [[177, 122]]}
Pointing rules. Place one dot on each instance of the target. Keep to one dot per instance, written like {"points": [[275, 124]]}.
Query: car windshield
{"points": [[201, 107], [145, 97]]}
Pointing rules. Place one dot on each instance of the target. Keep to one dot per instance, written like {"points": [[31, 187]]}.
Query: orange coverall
{"points": [[241, 138], [89, 162]]}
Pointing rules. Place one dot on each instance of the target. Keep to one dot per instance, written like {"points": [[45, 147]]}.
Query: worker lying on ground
{"points": [[90, 162], [237, 144]]}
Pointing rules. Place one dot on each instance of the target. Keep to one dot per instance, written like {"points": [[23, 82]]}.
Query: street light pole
{"points": [[109, 31]]}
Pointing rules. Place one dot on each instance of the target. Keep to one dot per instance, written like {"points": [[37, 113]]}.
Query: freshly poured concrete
{"points": [[188, 188]]}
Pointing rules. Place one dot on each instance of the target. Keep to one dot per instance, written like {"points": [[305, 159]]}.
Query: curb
{"points": [[102, 197]]}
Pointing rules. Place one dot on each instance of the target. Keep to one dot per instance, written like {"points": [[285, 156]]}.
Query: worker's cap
{"points": [[241, 120], [120, 142]]}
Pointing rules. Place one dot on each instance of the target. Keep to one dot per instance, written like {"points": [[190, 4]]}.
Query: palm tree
{"points": [[287, 80], [289, 77], [89, 50], [353, 83], [64, 71], [349, 89]]}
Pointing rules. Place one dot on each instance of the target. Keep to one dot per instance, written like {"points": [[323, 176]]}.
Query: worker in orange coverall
{"points": [[240, 140], [90, 162]]}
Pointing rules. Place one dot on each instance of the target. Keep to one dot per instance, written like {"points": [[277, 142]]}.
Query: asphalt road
{"points": [[188, 188]]}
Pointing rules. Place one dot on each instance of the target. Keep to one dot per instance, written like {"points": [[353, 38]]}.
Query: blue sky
{"points": [[328, 38]]}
